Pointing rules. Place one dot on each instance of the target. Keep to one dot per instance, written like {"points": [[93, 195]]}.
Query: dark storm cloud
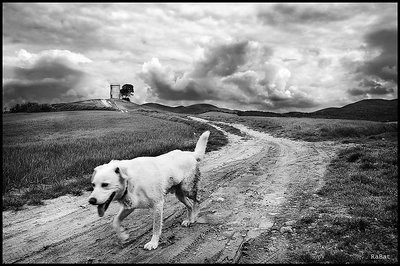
{"points": [[377, 90], [278, 103], [283, 14], [384, 38], [47, 69], [36, 91], [198, 84], [235, 72], [45, 81], [166, 91], [64, 25], [384, 65], [245, 81], [222, 60], [370, 87]]}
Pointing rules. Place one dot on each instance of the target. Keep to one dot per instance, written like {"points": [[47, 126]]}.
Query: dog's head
{"points": [[109, 183]]}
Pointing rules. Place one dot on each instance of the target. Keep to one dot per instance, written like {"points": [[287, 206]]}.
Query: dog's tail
{"points": [[201, 146]]}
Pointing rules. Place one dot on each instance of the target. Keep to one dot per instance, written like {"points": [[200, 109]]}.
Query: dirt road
{"points": [[242, 189]]}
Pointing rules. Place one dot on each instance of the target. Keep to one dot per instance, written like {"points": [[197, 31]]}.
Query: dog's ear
{"points": [[122, 172], [94, 172]]}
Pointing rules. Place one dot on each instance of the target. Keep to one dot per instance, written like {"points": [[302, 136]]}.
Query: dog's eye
{"points": [[93, 185], [104, 184]]}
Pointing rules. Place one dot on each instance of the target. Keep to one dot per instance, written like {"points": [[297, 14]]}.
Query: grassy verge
{"points": [[231, 129], [218, 138], [46, 155], [312, 129], [353, 217]]}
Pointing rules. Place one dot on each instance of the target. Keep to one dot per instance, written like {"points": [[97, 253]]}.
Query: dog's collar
{"points": [[126, 192], [126, 201]]}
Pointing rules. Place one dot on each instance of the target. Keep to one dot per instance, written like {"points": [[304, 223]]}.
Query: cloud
{"points": [[47, 77], [222, 60], [65, 25], [202, 81], [253, 55], [377, 73], [199, 83], [164, 83], [247, 81], [229, 72], [377, 87], [376, 90], [384, 65], [284, 14]]}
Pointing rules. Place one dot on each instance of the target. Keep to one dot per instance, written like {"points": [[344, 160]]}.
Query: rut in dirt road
{"points": [[241, 190]]}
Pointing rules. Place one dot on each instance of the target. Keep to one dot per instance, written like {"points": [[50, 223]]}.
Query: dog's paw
{"points": [[151, 245], [186, 223]]}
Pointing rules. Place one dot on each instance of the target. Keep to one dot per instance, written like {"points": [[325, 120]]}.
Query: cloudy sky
{"points": [[258, 56]]}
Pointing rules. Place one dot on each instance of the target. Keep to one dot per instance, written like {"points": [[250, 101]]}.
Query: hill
{"points": [[96, 104], [191, 109], [371, 109]]}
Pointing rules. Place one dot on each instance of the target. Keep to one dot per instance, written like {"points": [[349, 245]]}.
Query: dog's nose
{"points": [[92, 201]]}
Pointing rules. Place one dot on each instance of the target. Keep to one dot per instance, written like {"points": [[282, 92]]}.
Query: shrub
{"points": [[360, 178], [30, 107], [354, 157]]}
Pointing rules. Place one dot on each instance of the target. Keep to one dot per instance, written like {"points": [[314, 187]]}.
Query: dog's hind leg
{"points": [[195, 208], [123, 212], [191, 204], [157, 225]]}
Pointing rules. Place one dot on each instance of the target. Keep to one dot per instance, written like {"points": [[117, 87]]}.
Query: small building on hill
{"points": [[115, 91]]}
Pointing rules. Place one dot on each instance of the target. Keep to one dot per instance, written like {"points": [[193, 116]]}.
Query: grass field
{"points": [[355, 219], [351, 219], [354, 216], [46, 155], [312, 129]]}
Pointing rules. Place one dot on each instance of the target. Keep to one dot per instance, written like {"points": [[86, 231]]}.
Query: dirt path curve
{"points": [[242, 188]]}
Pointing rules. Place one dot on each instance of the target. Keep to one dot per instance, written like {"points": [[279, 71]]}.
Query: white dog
{"points": [[144, 181]]}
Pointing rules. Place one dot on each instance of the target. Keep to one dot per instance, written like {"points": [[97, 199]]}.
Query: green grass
{"points": [[218, 140], [46, 155], [231, 129], [312, 129], [357, 215], [353, 218]]}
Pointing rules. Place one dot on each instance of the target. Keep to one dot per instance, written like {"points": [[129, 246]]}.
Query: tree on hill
{"points": [[126, 91]]}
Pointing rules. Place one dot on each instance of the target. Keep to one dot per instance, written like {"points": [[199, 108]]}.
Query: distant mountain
{"points": [[191, 109], [117, 104], [258, 113], [161, 107], [371, 109]]}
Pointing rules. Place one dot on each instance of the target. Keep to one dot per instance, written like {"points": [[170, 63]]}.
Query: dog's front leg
{"points": [[123, 212], [157, 225]]}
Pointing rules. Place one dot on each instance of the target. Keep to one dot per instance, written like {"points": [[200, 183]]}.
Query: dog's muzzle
{"points": [[101, 208], [92, 201]]}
